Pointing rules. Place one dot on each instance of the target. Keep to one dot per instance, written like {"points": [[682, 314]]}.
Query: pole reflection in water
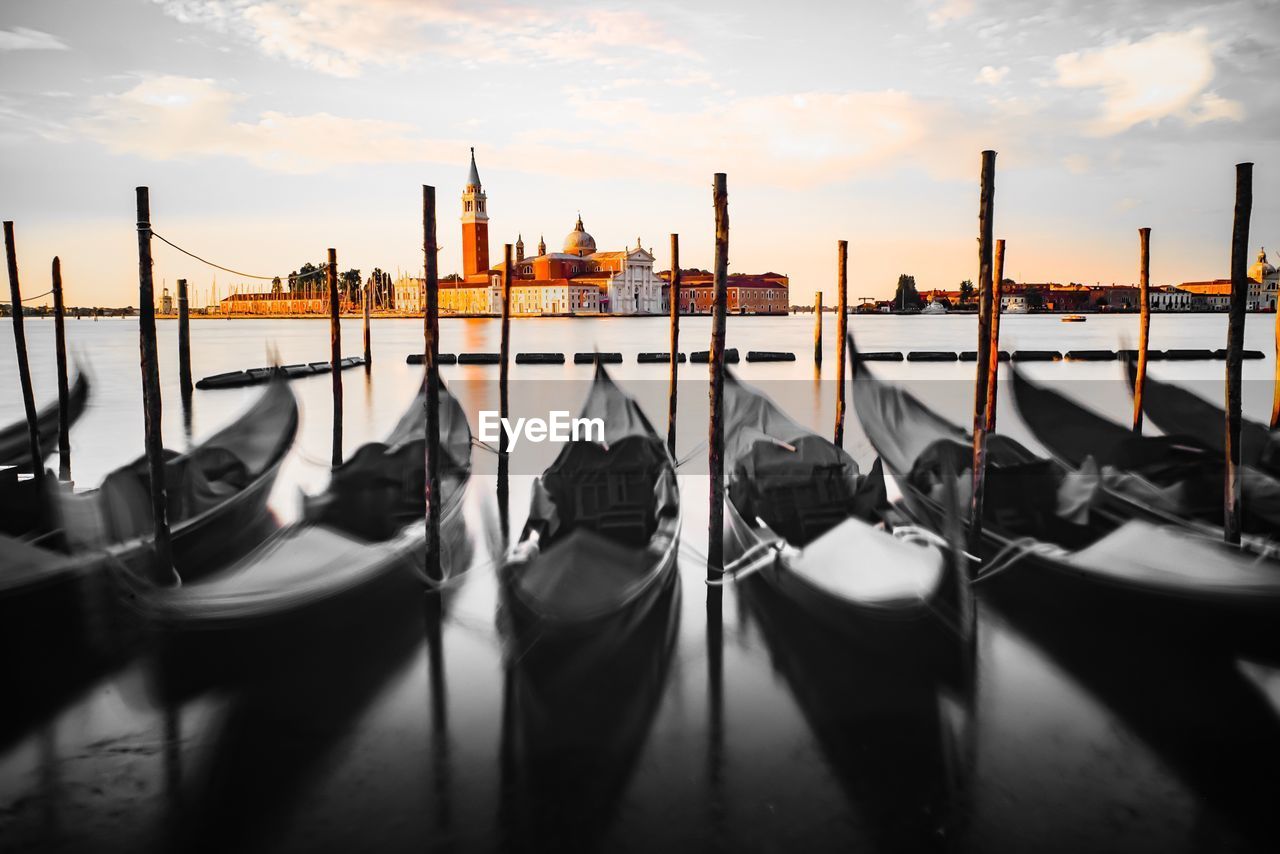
{"points": [[715, 708], [576, 713], [434, 614]]}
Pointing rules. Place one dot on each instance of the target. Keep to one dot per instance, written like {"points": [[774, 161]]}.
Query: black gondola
{"points": [[217, 490], [604, 525], [796, 503], [1054, 541], [355, 545], [15, 448]]}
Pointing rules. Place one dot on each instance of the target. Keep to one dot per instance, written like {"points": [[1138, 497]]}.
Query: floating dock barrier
{"points": [[479, 358], [1190, 355], [1244, 354], [703, 357], [539, 358], [255, 376], [441, 359], [1091, 355], [972, 356], [880, 356], [769, 356], [931, 356], [1152, 355], [659, 358], [590, 358], [1037, 356]]}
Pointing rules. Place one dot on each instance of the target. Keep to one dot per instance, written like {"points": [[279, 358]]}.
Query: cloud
{"points": [[992, 76], [945, 11], [169, 118], [1164, 75], [1077, 164], [21, 38], [344, 37]]}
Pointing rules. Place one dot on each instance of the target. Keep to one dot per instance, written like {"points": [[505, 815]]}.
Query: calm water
{"points": [[757, 733]]}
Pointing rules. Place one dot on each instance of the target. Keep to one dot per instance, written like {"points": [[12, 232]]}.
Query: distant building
{"points": [[166, 302], [1170, 299], [748, 293], [1213, 295]]}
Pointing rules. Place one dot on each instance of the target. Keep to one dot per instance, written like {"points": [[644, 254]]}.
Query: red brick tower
{"points": [[475, 225]]}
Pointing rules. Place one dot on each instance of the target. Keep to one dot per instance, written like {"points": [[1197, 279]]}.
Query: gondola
{"points": [[1170, 478], [217, 490], [600, 544], [15, 448], [1179, 411], [355, 546], [1052, 541], [796, 504]]}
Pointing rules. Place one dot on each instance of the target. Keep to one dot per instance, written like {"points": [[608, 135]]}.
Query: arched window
{"points": [[467, 206]]}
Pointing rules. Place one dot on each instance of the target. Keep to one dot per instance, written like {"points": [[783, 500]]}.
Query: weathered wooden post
{"points": [[993, 360], [368, 337], [986, 204], [842, 332], [674, 299], [335, 355], [715, 439], [1144, 323], [504, 345], [431, 358], [24, 368], [64, 393], [1235, 347], [817, 328], [163, 570], [184, 340]]}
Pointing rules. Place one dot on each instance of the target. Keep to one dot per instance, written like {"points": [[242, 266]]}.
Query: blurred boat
{"points": [[15, 448], [1053, 540], [1172, 478], [217, 490], [357, 545], [797, 510], [1074, 318], [935, 307], [600, 544]]}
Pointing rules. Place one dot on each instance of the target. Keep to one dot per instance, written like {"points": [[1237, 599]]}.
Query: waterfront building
{"points": [[748, 293], [1212, 295], [1169, 299]]}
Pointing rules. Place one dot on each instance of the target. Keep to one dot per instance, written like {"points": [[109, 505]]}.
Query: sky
{"points": [[269, 130]]}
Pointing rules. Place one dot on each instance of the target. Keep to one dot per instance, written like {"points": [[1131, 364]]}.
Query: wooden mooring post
{"points": [[431, 359], [1144, 323], [368, 334], [64, 392], [335, 354], [184, 340], [993, 359], [986, 206], [674, 300], [715, 438], [24, 367], [817, 328], [1231, 515], [842, 332], [504, 346], [162, 569]]}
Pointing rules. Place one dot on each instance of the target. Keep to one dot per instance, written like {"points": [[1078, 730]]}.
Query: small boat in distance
{"points": [[1074, 318], [935, 307]]}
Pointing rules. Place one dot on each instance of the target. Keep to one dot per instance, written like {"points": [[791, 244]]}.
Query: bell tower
{"points": [[475, 225]]}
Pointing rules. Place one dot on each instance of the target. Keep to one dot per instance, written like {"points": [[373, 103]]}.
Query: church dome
{"points": [[1261, 268], [579, 242]]}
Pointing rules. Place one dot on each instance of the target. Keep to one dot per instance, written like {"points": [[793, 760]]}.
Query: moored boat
{"points": [[15, 448]]}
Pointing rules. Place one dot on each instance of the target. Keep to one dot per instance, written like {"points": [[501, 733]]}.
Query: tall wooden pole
{"points": [[715, 439], [368, 336], [674, 299], [1144, 323], [817, 328], [504, 346], [986, 205], [64, 393], [335, 355], [993, 359], [431, 358], [842, 332], [1235, 348], [163, 571], [184, 339], [1275, 397], [24, 368]]}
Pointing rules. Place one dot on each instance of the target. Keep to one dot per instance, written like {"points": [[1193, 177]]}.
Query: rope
{"points": [[1013, 553], [38, 296], [291, 277]]}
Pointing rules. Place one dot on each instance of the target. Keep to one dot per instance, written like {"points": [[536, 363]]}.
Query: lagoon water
{"points": [[763, 736]]}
